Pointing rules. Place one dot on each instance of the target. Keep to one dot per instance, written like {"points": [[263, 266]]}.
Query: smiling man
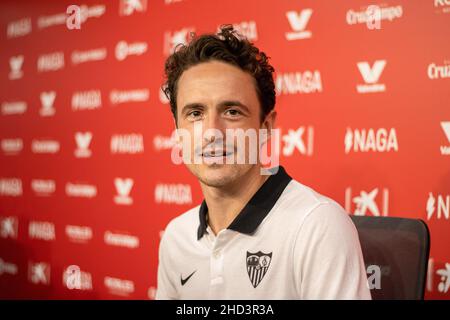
{"points": [[255, 236]]}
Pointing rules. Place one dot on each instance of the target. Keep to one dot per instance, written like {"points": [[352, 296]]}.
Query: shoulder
{"points": [[322, 218], [305, 203]]}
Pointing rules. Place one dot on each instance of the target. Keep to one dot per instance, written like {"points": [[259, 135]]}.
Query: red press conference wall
{"points": [[86, 177]]}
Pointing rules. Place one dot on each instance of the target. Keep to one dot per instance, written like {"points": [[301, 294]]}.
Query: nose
{"points": [[213, 127]]}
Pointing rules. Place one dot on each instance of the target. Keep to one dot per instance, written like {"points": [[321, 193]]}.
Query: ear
{"points": [[269, 122]]}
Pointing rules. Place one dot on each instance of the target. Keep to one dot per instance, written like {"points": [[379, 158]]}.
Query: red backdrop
{"points": [[86, 177]]}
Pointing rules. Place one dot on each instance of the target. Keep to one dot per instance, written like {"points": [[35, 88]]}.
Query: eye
{"points": [[195, 114], [233, 112]]}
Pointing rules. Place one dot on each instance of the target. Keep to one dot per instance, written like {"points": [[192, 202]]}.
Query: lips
{"points": [[216, 153]]}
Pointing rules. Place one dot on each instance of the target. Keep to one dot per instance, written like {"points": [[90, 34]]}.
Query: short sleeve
{"points": [[328, 261], [165, 288]]}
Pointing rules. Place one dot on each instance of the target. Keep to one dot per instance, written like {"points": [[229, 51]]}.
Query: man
{"points": [[254, 236]]}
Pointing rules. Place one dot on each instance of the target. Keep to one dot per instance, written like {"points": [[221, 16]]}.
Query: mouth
{"points": [[214, 157], [216, 153]]}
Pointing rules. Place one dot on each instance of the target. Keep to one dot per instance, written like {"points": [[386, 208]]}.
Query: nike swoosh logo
{"points": [[183, 281]]}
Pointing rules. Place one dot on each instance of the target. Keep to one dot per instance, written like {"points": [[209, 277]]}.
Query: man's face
{"points": [[217, 96]]}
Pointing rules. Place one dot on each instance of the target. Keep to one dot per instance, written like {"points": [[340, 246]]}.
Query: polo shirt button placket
{"points": [[217, 263]]}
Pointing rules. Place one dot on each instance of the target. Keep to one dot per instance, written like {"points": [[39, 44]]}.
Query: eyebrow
{"points": [[222, 104]]}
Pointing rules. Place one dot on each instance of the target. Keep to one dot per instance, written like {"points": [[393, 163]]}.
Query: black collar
{"points": [[256, 209]]}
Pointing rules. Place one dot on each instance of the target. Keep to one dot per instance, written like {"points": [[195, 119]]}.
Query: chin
{"points": [[218, 175]]}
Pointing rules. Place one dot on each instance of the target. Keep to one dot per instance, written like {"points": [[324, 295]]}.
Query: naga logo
{"points": [[445, 150], [18, 28], [7, 267], [79, 234], [47, 100], [16, 107], [9, 227], [86, 100], [74, 278], [298, 82], [371, 76], [138, 95], [119, 286], [39, 272], [83, 139], [439, 205], [42, 230], [11, 187], [127, 143], [298, 22], [123, 188], [172, 39], [78, 57], [375, 140], [366, 202], [50, 62], [246, 29], [128, 7], [123, 49], [11, 146], [121, 240], [173, 193], [43, 187], [81, 190], [44, 146], [295, 140], [15, 65]]}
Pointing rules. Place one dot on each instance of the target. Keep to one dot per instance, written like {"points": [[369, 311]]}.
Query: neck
{"points": [[224, 204]]}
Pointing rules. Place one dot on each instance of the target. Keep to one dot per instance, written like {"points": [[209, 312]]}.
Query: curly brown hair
{"points": [[226, 46]]}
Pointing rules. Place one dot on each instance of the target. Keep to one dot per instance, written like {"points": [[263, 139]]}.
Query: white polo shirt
{"points": [[288, 242]]}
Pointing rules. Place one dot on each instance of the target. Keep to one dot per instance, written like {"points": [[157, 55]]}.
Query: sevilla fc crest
{"points": [[257, 265]]}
